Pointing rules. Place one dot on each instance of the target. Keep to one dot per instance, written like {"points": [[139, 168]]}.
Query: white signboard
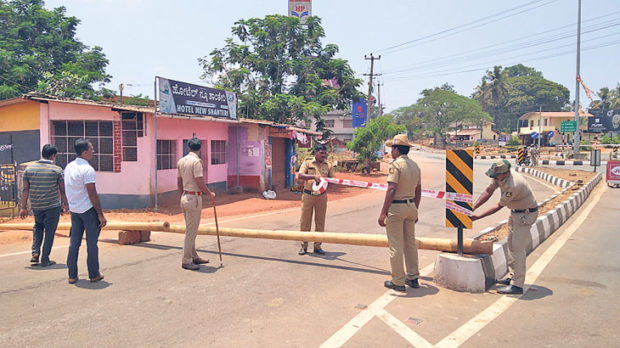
{"points": [[301, 9]]}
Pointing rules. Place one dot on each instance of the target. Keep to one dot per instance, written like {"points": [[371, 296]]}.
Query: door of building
{"points": [[279, 163]]}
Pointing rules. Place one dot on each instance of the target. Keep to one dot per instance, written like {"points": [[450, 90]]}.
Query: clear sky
{"points": [[145, 38]]}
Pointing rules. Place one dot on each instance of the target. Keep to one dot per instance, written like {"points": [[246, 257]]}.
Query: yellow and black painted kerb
{"points": [[459, 179], [520, 155]]}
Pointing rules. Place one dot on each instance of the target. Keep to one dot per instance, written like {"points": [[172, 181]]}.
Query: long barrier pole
{"points": [[363, 239]]}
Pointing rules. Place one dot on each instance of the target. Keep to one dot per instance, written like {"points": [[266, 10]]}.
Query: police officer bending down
{"points": [[517, 195]]}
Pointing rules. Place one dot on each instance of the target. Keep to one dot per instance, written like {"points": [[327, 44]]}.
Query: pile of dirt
{"points": [[579, 176]]}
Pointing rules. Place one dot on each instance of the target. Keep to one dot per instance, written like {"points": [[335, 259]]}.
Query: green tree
{"points": [[278, 68], [39, 51], [509, 93], [368, 140], [441, 107], [610, 99]]}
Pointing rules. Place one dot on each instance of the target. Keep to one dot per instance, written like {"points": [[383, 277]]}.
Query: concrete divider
{"points": [[478, 272]]}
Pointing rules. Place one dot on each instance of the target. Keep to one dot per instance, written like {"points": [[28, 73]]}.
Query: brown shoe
{"points": [[73, 280], [35, 258], [96, 279], [200, 261], [190, 266]]}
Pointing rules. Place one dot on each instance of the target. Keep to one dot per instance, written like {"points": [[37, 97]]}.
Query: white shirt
{"points": [[78, 173]]}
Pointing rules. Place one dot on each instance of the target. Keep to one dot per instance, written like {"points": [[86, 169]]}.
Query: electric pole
{"points": [[369, 101], [576, 137], [379, 84]]}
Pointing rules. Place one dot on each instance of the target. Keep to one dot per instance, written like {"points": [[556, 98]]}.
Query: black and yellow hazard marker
{"points": [[477, 149], [521, 155], [459, 179]]}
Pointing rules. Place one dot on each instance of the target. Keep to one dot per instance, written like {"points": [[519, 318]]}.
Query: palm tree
{"points": [[495, 89]]}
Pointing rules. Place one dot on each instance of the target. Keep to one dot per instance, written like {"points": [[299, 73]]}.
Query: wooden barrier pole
{"points": [[363, 239]]}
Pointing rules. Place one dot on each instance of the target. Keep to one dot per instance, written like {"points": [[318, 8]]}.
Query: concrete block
{"points": [[460, 273], [128, 237], [145, 236]]}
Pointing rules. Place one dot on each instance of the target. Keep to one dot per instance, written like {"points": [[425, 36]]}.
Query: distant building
{"points": [[545, 122], [468, 133], [340, 124]]}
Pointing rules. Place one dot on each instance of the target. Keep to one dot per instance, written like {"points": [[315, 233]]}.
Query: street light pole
{"points": [[576, 134]]}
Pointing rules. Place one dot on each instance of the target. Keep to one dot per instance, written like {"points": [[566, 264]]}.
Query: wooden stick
{"points": [[217, 230]]}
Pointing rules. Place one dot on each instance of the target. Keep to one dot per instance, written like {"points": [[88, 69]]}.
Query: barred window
{"points": [[166, 154], [329, 123], [65, 133], [218, 152], [347, 123], [132, 127]]}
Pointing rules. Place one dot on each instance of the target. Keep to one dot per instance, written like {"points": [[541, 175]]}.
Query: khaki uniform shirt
{"points": [[406, 173], [515, 192], [311, 167], [188, 168]]}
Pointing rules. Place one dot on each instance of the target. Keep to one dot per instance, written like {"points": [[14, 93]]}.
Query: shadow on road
{"points": [[86, 284]]}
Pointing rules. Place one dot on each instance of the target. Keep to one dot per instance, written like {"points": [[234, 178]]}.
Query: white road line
{"points": [[477, 323], [354, 325], [403, 330]]}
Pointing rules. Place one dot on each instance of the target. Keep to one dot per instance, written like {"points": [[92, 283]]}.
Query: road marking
{"points": [[403, 330], [354, 325], [477, 323]]}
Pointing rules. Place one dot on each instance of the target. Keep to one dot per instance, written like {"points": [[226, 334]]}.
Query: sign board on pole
{"points": [[534, 135], [550, 134], [359, 110], [595, 157], [301, 9], [177, 97], [568, 126], [502, 140], [459, 179], [606, 120]]}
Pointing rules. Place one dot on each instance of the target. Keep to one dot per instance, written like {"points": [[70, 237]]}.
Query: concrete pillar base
{"points": [[460, 273]]}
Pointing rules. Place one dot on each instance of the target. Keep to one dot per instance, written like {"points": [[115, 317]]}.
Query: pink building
{"points": [[247, 153]]}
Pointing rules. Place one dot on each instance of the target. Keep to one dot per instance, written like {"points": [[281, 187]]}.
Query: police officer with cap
{"points": [[400, 213], [517, 195], [311, 172]]}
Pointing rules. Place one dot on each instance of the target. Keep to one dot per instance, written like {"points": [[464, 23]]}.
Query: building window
{"points": [[347, 123], [329, 123], [218, 151], [531, 123], [65, 133], [546, 122], [132, 127], [166, 154]]}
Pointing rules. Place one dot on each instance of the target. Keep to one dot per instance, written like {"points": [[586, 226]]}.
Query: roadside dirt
{"points": [[579, 176], [227, 205]]}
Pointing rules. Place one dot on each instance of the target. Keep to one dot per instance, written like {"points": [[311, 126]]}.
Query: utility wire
{"points": [[437, 74], [464, 27], [502, 47]]}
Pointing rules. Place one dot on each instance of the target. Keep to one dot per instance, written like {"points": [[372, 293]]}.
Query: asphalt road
{"points": [[267, 295]]}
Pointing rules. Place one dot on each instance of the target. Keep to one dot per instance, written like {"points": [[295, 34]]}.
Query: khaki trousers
{"points": [[519, 225], [192, 208], [318, 205], [400, 229]]}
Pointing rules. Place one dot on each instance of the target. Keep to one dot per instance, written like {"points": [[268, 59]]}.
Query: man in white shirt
{"points": [[85, 211]]}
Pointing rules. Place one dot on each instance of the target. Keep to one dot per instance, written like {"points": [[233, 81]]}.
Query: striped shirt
{"points": [[43, 178]]}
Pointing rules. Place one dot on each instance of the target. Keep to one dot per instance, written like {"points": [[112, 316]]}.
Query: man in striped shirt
{"points": [[44, 186]]}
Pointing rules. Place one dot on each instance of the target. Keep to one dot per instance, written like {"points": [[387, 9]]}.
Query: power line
{"points": [[495, 49], [467, 26], [449, 72]]}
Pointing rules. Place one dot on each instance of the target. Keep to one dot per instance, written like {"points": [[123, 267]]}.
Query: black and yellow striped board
{"points": [[520, 155], [459, 179], [477, 149]]}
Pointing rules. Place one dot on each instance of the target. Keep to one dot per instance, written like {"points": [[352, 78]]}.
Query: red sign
{"points": [[613, 170]]}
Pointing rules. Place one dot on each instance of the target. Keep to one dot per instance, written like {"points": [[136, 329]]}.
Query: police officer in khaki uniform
{"points": [[311, 172], [191, 187], [517, 195], [400, 213]]}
